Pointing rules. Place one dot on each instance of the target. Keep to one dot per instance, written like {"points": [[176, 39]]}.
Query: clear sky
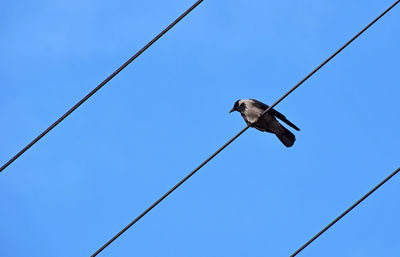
{"points": [[168, 111]]}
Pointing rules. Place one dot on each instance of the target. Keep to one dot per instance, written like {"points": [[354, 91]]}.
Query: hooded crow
{"points": [[251, 110]]}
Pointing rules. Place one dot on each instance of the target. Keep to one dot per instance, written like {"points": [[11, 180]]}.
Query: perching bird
{"points": [[251, 110]]}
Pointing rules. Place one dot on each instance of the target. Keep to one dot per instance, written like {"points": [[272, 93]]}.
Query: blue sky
{"points": [[168, 111]]}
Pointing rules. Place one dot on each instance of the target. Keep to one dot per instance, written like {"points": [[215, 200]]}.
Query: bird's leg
{"points": [[251, 124]]}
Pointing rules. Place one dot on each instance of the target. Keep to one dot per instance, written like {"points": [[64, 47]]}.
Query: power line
{"points": [[123, 66], [330, 58], [237, 135], [344, 213]]}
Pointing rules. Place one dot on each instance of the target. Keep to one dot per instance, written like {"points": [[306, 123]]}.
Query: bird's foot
{"points": [[251, 124]]}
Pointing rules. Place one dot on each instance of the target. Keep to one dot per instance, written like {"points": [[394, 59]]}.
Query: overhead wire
{"points": [[123, 66], [240, 133], [344, 213]]}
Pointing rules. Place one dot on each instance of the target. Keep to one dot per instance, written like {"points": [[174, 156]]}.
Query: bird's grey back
{"points": [[251, 112]]}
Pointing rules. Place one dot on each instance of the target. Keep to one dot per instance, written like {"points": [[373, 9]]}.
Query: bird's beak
{"points": [[232, 110]]}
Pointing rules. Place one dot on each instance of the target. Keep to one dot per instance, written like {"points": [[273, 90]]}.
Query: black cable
{"points": [[236, 136], [100, 86], [330, 58], [165, 195], [344, 213]]}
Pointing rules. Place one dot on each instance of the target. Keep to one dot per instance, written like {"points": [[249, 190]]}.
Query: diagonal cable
{"points": [[123, 66], [344, 213], [240, 133]]}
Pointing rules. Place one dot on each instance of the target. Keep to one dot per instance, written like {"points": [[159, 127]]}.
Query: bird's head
{"points": [[238, 106]]}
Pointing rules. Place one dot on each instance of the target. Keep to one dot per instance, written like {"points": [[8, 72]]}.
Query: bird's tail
{"points": [[285, 136]]}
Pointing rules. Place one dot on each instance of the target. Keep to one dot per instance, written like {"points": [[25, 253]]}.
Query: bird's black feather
{"points": [[251, 110], [275, 113]]}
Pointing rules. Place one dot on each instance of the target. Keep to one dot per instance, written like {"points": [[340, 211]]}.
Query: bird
{"points": [[251, 110]]}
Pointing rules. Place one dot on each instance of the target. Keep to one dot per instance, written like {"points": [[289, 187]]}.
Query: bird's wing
{"points": [[275, 113], [283, 118], [259, 104]]}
